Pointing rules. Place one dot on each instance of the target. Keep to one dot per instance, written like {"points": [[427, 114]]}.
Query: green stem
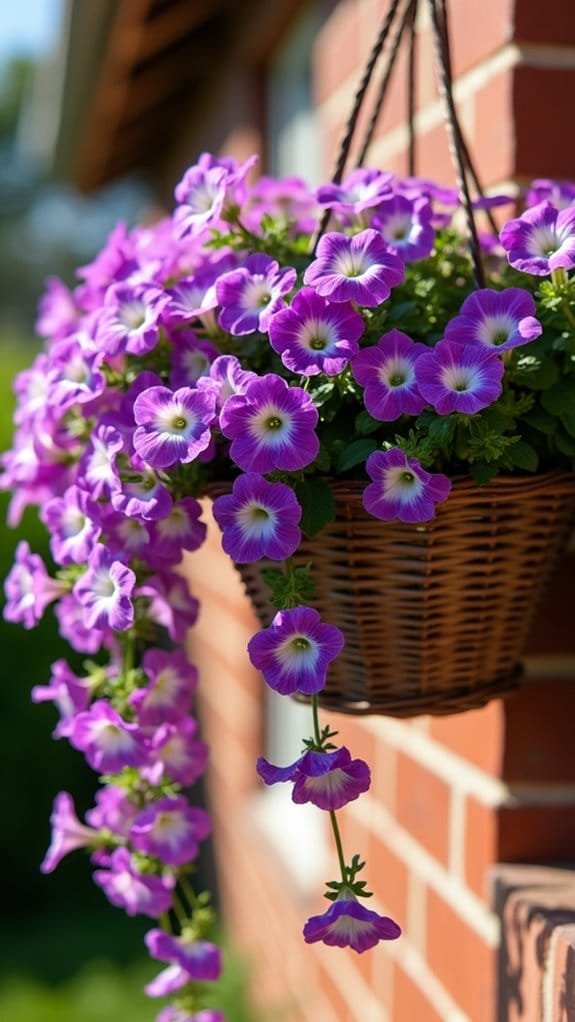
{"points": [[332, 815], [560, 279], [189, 892], [179, 910], [129, 652]]}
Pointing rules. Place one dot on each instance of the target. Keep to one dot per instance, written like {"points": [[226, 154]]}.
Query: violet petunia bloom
{"points": [[358, 269], [497, 319], [387, 371], [457, 378], [137, 893], [28, 588], [114, 811], [294, 653], [401, 488], [141, 494], [347, 923], [405, 225], [168, 696], [362, 189], [227, 377], [171, 830], [541, 240], [191, 359], [560, 193], [315, 336], [205, 191], [271, 425], [69, 693], [176, 753], [201, 959], [327, 779], [258, 519], [73, 523], [76, 376], [70, 614], [173, 426], [98, 465], [130, 319], [68, 833], [250, 295], [108, 742], [105, 592], [171, 605], [180, 530]]}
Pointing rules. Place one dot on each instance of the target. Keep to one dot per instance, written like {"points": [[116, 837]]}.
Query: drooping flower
{"points": [[315, 336], [294, 653], [498, 319], [387, 371], [271, 426], [201, 959], [327, 779], [137, 893], [73, 523], [168, 696], [98, 464], [180, 530], [141, 494], [362, 189], [171, 604], [177, 753], [114, 811], [67, 691], [205, 191], [458, 378], [173, 426], [68, 833], [405, 225], [170, 829], [402, 488], [105, 592], [250, 295], [258, 519], [347, 923], [28, 588], [542, 239], [70, 614], [108, 742], [358, 269]]}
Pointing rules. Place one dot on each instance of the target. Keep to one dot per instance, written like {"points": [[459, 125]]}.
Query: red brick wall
{"points": [[453, 796]]}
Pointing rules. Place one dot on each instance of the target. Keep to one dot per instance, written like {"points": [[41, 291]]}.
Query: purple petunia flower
{"points": [[541, 240], [114, 811], [362, 189], [358, 269], [108, 742], [137, 893], [67, 691], [70, 614], [129, 321], [173, 426], [498, 319], [68, 833], [73, 523], [258, 519], [387, 371], [191, 359], [271, 426], [206, 189], [171, 604], [105, 591], [176, 753], [141, 494], [28, 588], [294, 653], [405, 225], [457, 378], [98, 464], [560, 193], [180, 530], [170, 829], [173, 1014], [168, 697], [315, 336], [402, 488], [347, 923], [227, 377], [250, 295], [201, 959], [327, 779]]}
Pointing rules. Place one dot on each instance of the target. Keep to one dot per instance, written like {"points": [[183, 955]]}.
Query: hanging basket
{"points": [[435, 616]]}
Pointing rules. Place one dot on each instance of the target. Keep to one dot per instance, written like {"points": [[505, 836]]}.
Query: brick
{"points": [[480, 844], [477, 735], [536, 833], [539, 733], [392, 878], [545, 23], [478, 30], [339, 49], [492, 142], [423, 806], [559, 994], [461, 960], [552, 630], [543, 97], [410, 1002]]}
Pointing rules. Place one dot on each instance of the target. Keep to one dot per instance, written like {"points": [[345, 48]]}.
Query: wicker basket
{"points": [[435, 616]]}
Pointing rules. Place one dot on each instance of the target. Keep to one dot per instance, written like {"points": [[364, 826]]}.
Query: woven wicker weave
{"points": [[435, 616]]}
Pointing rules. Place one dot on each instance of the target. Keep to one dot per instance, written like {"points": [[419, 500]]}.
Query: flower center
{"points": [[178, 422], [317, 343], [133, 315], [396, 380], [407, 477], [500, 337], [260, 513], [274, 422], [301, 643]]}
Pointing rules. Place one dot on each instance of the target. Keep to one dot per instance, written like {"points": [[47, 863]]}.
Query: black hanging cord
{"points": [[357, 104], [411, 62], [382, 91], [442, 14], [454, 135]]}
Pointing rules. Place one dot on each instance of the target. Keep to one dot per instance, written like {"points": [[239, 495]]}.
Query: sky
{"points": [[28, 27]]}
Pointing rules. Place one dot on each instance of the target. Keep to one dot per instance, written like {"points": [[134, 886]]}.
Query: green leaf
{"points": [[441, 431], [565, 443], [365, 424], [523, 455], [483, 471], [541, 420], [355, 454], [317, 504], [568, 422], [536, 373], [560, 399]]}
